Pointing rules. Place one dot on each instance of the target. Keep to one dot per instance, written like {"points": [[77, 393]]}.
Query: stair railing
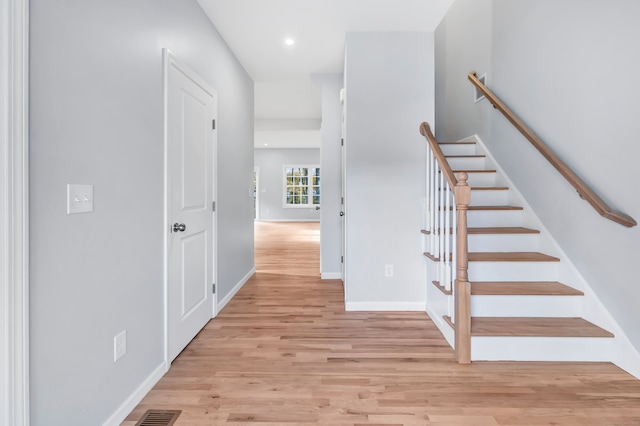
{"points": [[448, 198], [583, 189]]}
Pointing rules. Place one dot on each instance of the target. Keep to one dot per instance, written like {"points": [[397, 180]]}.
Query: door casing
{"points": [[14, 213]]}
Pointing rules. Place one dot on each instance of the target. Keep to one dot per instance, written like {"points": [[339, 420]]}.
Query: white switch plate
{"points": [[79, 198], [119, 345], [388, 270]]}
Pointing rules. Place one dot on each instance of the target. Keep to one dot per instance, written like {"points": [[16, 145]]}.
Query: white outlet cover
{"points": [[119, 345], [79, 198]]}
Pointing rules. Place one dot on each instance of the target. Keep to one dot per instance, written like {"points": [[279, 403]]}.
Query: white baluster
{"points": [[442, 231], [454, 254], [447, 236], [431, 206], [436, 208], [427, 177]]}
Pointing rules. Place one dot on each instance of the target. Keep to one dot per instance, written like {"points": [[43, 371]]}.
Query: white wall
{"points": [[270, 162], [97, 118], [463, 44], [389, 92], [568, 68], [331, 166]]}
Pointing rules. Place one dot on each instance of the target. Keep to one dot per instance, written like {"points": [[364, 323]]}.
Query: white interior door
{"points": [[191, 111]]}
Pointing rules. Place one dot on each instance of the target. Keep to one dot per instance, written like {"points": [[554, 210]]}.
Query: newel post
{"points": [[462, 292]]}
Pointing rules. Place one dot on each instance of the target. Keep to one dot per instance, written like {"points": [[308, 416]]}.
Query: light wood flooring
{"points": [[284, 352]]}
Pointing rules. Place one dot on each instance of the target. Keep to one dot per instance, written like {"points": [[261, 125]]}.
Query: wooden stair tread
{"points": [[457, 143], [491, 208], [489, 188], [495, 230], [475, 171], [503, 256], [441, 288], [511, 256], [523, 288], [486, 188], [534, 327], [495, 208]]}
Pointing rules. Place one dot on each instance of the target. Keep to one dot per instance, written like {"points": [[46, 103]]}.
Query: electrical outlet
{"points": [[119, 345], [388, 270]]}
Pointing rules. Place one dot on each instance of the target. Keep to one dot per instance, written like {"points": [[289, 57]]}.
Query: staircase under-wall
{"points": [[526, 303]]}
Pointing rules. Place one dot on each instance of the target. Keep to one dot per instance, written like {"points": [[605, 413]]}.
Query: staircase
{"points": [[525, 301]]}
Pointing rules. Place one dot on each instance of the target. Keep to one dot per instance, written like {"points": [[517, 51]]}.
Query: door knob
{"points": [[317, 207], [341, 213], [179, 227]]}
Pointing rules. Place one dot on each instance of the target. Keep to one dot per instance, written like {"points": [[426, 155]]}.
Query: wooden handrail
{"points": [[425, 131], [583, 189]]}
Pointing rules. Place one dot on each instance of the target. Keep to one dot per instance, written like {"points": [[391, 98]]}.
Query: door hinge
{"points": [[213, 288], [213, 206], [342, 142], [213, 124], [341, 200], [341, 259]]}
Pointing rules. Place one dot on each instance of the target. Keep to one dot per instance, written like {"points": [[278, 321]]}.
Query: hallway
{"points": [[284, 351]]}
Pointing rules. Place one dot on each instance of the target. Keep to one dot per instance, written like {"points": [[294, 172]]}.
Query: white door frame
{"points": [[343, 189], [14, 213], [167, 59], [256, 172]]}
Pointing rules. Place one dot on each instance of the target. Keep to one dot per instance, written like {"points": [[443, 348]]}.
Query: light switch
{"points": [[79, 198]]}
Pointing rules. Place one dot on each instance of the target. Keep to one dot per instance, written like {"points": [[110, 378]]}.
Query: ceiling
{"points": [[255, 31]]}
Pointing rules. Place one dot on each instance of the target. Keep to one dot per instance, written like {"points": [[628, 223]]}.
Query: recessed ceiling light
{"points": [[289, 41]]}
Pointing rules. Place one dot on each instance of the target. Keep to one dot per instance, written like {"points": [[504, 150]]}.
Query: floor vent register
{"points": [[159, 418]]}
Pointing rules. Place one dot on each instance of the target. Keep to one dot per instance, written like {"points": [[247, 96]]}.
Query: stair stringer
{"points": [[617, 350]]}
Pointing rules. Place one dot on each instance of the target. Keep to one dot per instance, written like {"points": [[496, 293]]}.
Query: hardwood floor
{"points": [[284, 352]]}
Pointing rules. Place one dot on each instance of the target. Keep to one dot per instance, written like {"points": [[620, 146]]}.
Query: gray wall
{"points": [[97, 118], [270, 161], [569, 69], [389, 92]]}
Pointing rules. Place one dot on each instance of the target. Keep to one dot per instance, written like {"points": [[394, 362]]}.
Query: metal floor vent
{"points": [[159, 418]]}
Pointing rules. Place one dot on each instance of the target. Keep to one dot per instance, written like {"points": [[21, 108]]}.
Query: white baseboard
{"points": [[331, 275], [445, 329], [123, 411], [235, 290], [626, 356], [386, 306]]}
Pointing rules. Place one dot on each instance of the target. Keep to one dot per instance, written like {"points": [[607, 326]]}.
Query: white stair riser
{"points": [[497, 242], [484, 218], [489, 198], [503, 242], [458, 149], [486, 197], [526, 306], [481, 179], [466, 163], [588, 349], [513, 271]]}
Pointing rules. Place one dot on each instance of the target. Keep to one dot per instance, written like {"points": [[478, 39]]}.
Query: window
{"points": [[301, 186]]}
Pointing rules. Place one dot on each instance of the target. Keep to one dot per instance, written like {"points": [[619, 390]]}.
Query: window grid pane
{"points": [[302, 186]]}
